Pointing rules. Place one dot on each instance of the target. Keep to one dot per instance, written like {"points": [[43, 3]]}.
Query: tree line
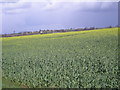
{"points": [[48, 31]]}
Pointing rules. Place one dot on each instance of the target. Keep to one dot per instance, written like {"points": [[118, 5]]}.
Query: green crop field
{"points": [[80, 59]]}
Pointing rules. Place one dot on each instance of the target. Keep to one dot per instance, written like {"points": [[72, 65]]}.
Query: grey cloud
{"points": [[14, 8], [64, 14], [82, 6]]}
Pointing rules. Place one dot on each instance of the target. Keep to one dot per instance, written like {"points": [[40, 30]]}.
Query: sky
{"points": [[26, 15]]}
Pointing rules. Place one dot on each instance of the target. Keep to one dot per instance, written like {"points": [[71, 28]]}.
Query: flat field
{"points": [[85, 59]]}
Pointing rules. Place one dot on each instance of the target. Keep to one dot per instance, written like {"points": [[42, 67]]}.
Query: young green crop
{"points": [[84, 59]]}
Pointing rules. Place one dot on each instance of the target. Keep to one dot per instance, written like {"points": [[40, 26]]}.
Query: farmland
{"points": [[81, 59]]}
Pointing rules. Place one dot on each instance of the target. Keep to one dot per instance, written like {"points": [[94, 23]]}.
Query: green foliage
{"points": [[85, 60]]}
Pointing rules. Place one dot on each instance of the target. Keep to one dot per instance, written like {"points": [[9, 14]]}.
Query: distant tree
{"points": [[14, 31], [117, 26], [39, 30], [85, 28], [92, 28], [110, 27]]}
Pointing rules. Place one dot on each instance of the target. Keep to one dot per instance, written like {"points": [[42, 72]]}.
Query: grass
{"points": [[7, 83], [83, 59]]}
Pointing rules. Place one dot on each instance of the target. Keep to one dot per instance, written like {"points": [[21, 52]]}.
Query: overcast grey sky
{"points": [[49, 14]]}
